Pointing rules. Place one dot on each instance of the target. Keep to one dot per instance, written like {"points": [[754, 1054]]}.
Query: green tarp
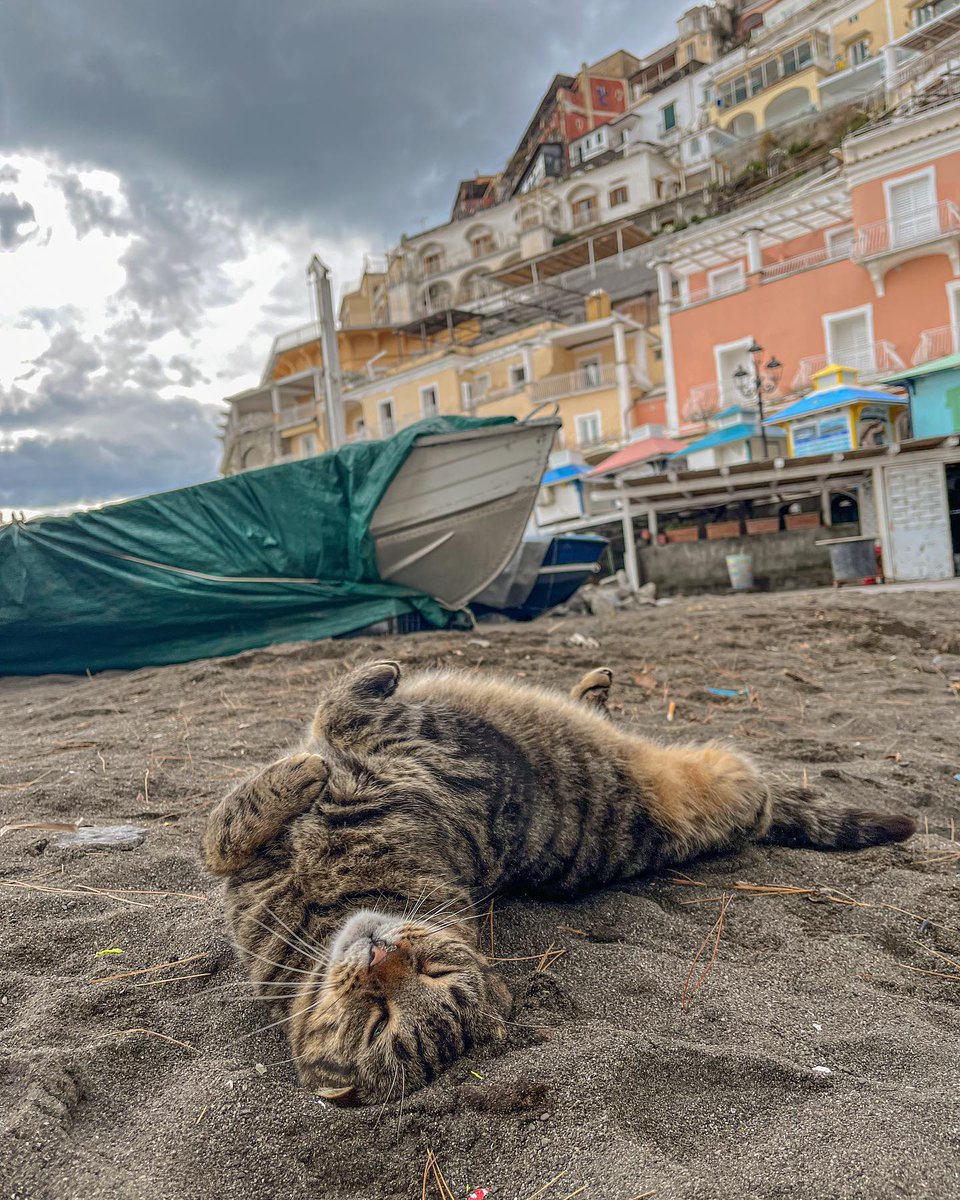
{"points": [[280, 554]]}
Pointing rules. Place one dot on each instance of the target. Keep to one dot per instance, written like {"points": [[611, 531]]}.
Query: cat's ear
{"points": [[346, 1097]]}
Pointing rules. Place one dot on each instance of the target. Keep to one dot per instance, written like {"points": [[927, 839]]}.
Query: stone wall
{"points": [[789, 559]]}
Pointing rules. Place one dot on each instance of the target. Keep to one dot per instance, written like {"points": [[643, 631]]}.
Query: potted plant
{"points": [[683, 533], [763, 525], [802, 520], [723, 529]]}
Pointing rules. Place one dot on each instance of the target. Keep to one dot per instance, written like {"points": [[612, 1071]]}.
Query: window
{"points": [[849, 338], [729, 359], [589, 427], [517, 375], [840, 241], [796, 58], [725, 280], [668, 118], [585, 210], [308, 445], [385, 417], [482, 244], [590, 371], [733, 92], [474, 390], [429, 403], [618, 195], [859, 52], [433, 262], [912, 208]]}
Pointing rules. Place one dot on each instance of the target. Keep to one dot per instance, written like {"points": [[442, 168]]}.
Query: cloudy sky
{"points": [[167, 169]]}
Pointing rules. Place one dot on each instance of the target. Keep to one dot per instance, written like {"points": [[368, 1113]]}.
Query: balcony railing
{"points": [[918, 229], [870, 361], [706, 399], [713, 291], [937, 343], [925, 64], [581, 218], [297, 414], [417, 271], [803, 262], [586, 379]]}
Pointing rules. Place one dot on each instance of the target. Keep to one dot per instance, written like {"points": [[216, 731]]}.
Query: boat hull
{"points": [[453, 517]]}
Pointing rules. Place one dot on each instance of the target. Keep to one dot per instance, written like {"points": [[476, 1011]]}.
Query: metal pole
{"points": [[319, 274]]}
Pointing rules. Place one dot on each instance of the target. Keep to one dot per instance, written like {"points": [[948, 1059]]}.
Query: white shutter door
{"points": [[913, 213], [849, 342], [727, 363], [918, 522]]}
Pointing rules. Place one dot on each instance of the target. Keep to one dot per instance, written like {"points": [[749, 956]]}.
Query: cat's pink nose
{"points": [[377, 953]]}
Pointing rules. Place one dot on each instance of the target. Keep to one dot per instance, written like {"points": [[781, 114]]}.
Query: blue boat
{"points": [[544, 572]]}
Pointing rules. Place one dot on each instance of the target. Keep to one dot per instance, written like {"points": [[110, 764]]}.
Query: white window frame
{"points": [[616, 185], [830, 235], [889, 185], [382, 424], [829, 319], [304, 451], [953, 310], [588, 416], [517, 375], [585, 361], [429, 387], [727, 395], [711, 276], [863, 40]]}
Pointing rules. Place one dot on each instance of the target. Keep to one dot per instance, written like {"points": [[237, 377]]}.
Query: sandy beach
{"points": [[780, 1024]]}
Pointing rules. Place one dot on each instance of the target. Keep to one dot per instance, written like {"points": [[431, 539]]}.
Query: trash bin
{"points": [[740, 570], [852, 559]]}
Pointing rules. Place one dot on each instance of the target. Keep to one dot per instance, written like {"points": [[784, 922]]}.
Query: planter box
{"points": [[723, 529], [763, 525], [683, 535], [807, 520]]}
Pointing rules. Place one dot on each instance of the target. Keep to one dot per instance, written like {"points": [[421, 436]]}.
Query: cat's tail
{"points": [[800, 817]]}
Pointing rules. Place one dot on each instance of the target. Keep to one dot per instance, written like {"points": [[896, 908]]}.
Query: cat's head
{"points": [[398, 1001]]}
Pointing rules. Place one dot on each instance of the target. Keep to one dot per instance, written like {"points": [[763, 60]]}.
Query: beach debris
{"points": [[102, 837], [46, 826], [174, 962], [476, 1074], [260, 1068], [693, 985], [821, 1070], [957, 777], [481, 642], [479, 1194], [153, 1033], [728, 693], [111, 950], [672, 710], [581, 639]]}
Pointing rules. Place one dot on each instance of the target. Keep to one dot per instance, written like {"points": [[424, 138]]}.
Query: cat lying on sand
{"points": [[354, 868]]}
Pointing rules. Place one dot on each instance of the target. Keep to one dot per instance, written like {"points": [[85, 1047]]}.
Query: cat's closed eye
{"points": [[378, 1026]]}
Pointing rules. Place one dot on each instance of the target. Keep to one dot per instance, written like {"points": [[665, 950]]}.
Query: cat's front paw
{"points": [[300, 779]]}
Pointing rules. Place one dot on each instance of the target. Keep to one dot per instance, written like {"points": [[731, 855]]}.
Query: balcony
{"points": [[872, 362], [883, 245], [417, 271], [589, 379], [937, 343], [707, 399], [926, 65], [297, 414], [713, 291], [804, 262]]}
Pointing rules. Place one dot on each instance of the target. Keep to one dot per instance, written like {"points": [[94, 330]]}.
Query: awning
{"points": [[634, 453]]}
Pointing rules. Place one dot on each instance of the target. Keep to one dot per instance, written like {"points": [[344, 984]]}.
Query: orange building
{"points": [[860, 267]]}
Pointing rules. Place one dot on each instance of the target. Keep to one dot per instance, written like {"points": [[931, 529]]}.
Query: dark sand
{"points": [[811, 1063]]}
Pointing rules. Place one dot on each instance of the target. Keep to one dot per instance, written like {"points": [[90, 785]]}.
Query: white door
{"points": [[850, 341], [918, 522], [913, 211], [729, 360]]}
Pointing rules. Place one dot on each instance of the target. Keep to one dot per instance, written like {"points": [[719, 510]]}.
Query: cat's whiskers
{"points": [[315, 953], [298, 938], [403, 1088]]}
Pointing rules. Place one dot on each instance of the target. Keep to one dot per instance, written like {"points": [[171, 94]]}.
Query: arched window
{"points": [[584, 207], [481, 241], [432, 259]]}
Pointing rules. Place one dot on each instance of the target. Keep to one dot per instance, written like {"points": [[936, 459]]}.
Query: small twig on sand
{"points": [[119, 894], [442, 1186], [47, 826], [22, 787], [153, 1033], [546, 1187], [172, 979], [175, 962], [570, 1195], [691, 986], [549, 957]]}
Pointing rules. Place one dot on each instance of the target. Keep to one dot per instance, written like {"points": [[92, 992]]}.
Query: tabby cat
{"points": [[356, 868]]}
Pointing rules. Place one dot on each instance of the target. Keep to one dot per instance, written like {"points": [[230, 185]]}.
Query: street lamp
{"points": [[754, 385]]}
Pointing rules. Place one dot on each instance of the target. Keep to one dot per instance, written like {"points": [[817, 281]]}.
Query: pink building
{"points": [[858, 266]]}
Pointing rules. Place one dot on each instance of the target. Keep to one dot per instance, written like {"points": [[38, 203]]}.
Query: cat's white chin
{"points": [[353, 941]]}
